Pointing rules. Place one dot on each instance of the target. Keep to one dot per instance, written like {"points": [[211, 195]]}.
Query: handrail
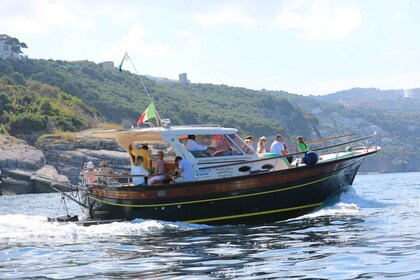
{"points": [[324, 139], [293, 154], [118, 176]]}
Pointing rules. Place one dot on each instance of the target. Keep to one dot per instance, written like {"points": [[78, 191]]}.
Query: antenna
{"points": [[145, 89]]}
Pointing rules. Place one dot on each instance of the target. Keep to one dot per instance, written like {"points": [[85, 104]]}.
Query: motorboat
{"points": [[231, 184]]}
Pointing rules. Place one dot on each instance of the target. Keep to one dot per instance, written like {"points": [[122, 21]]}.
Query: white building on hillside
{"points": [[5, 49]]}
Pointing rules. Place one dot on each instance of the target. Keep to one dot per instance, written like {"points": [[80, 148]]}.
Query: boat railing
{"points": [[318, 141], [202, 125], [300, 153], [121, 180]]}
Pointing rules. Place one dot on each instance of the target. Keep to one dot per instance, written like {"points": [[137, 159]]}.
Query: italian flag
{"points": [[147, 114]]}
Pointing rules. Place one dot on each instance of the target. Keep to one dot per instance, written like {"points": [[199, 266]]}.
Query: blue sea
{"points": [[373, 232]]}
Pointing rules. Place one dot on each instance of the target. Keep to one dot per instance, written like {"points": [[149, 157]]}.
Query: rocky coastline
{"points": [[55, 158], [62, 159]]}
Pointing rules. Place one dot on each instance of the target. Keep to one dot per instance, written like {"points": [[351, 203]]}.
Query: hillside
{"points": [[392, 114], [98, 96], [401, 101], [120, 98]]}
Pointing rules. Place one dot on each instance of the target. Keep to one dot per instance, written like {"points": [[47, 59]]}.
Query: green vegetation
{"points": [[120, 99], [47, 96], [15, 45], [40, 107]]}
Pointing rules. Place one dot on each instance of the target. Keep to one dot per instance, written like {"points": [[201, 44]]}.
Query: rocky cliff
{"points": [[55, 158]]}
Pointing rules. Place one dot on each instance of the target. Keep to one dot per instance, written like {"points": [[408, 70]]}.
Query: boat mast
{"points": [[158, 119]]}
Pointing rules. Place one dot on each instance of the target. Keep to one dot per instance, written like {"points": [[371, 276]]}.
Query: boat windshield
{"points": [[220, 145]]}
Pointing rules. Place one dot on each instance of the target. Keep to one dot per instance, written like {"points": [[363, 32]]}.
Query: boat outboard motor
{"points": [[310, 158]]}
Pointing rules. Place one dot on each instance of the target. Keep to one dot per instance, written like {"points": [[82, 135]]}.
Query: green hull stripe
{"points": [[208, 200], [253, 214]]}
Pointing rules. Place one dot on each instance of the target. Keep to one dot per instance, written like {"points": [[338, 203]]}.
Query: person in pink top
{"points": [[160, 169], [88, 172]]}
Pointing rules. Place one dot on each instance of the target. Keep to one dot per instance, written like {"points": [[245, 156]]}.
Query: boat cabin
{"points": [[220, 153]]}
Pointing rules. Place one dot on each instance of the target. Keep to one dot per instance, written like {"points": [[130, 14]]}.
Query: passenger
{"points": [[160, 169], [144, 153], [104, 169], [222, 146], [193, 146], [88, 172], [185, 169], [277, 147], [249, 140], [286, 151], [302, 147], [138, 169], [261, 145]]}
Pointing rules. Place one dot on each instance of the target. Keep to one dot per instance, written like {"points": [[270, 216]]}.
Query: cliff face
{"points": [[68, 157], [53, 158], [18, 161]]}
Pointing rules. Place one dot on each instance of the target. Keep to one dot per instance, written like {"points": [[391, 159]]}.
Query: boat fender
{"points": [[310, 158]]}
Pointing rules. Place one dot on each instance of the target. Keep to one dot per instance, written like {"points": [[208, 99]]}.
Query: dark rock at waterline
{"points": [[19, 162]]}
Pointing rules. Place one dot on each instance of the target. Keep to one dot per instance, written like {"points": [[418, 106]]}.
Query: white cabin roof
{"points": [[159, 134]]}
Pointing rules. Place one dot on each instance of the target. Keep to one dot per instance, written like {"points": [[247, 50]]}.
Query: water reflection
{"points": [[232, 251]]}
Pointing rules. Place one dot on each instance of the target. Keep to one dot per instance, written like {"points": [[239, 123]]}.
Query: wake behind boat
{"points": [[230, 183]]}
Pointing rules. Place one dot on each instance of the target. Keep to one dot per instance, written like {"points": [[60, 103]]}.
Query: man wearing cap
{"points": [[144, 153]]}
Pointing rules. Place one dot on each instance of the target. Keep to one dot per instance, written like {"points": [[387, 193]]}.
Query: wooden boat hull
{"points": [[251, 199]]}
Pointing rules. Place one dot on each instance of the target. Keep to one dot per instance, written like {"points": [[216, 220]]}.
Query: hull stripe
{"points": [[211, 199], [254, 214]]}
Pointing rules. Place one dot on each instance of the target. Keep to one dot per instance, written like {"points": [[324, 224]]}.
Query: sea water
{"points": [[373, 232]]}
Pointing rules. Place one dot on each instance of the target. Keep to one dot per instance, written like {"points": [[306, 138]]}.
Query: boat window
{"points": [[217, 145], [223, 145], [240, 144]]}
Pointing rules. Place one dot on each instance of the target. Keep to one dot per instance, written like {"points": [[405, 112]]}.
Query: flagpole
{"points": [[145, 89]]}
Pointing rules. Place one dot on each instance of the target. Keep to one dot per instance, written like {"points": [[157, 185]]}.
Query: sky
{"points": [[303, 47]]}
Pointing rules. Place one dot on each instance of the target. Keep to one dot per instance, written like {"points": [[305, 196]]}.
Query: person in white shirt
{"points": [[138, 169], [193, 145], [277, 146], [185, 168]]}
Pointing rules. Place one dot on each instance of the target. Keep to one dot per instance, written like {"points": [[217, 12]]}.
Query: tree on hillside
{"points": [[16, 45]]}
